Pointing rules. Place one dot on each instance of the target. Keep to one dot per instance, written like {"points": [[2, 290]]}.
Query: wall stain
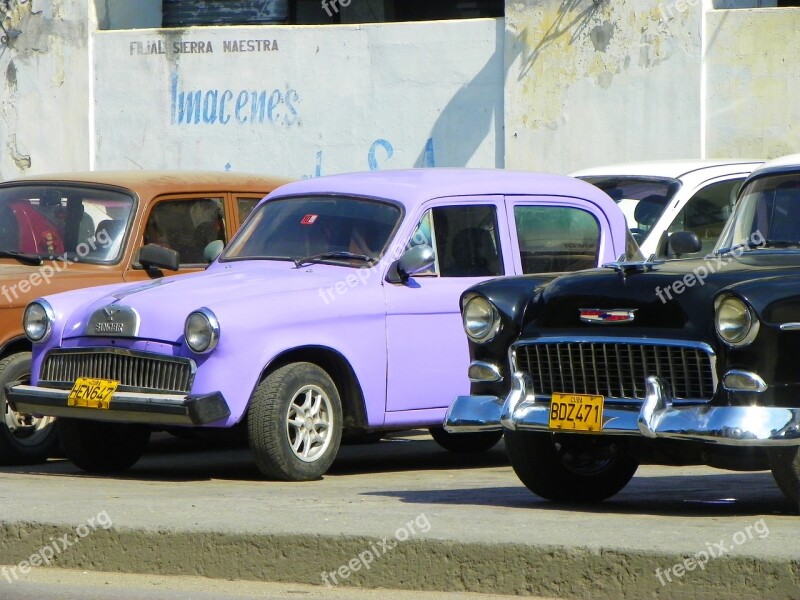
{"points": [[601, 36]]}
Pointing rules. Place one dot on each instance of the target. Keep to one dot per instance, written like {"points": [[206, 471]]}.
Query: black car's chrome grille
{"points": [[616, 370], [134, 370]]}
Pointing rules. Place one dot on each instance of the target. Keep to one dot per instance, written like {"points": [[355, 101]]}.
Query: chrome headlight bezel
{"points": [[38, 312], [201, 331], [735, 321], [480, 318]]}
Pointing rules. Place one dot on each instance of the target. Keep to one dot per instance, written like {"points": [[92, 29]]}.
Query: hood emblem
{"points": [[607, 316], [113, 321]]}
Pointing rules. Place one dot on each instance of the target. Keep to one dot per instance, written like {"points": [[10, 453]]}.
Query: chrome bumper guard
{"points": [[656, 418], [128, 407]]}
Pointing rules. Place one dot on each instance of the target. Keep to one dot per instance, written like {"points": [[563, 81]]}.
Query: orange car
{"points": [[67, 231]]}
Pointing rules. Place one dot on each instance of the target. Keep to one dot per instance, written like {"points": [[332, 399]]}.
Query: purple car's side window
{"points": [[464, 239]]}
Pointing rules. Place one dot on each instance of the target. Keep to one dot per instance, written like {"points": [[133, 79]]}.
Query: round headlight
{"points": [[736, 323], [201, 331], [38, 320], [481, 319]]}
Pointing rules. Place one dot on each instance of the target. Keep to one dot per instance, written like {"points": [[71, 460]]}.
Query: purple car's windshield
{"points": [[339, 229], [78, 223]]}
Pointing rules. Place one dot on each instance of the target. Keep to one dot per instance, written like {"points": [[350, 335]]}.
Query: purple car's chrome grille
{"points": [[134, 370], [616, 370]]}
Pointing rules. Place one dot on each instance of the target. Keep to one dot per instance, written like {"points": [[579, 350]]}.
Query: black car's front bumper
{"points": [[657, 417], [128, 407]]}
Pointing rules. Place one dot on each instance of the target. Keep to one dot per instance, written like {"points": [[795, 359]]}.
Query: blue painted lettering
{"points": [[213, 106], [223, 118], [372, 159]]}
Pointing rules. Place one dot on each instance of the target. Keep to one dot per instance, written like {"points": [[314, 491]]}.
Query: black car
{"points": [[677, 362]]}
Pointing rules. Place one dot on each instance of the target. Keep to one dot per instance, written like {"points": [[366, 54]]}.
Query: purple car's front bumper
{"points": [[128, 407]]}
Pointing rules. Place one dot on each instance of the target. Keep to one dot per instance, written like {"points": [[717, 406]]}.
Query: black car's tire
{"points": [[472, 443], [547, 469], [102, 447], [295, 423], [24, 440], [785, 465]]}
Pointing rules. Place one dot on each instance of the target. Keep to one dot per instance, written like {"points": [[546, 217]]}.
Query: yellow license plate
{"points": [[576, 412], [92, 393]]}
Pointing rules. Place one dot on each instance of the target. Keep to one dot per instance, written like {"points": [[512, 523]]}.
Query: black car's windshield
{"points": [[320, 228], [641, 199], [767, 215], [79, 223]]}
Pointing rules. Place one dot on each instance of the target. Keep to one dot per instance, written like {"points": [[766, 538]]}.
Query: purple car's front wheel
{"points": [[295, 423]]}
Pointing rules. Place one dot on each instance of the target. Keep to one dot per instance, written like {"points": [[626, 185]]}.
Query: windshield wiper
{"points": [[749, 244], [25, 259], [299, 262]]}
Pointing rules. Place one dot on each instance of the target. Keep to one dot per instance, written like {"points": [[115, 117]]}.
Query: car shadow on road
{"points": [[171, 458], [721, 494]]}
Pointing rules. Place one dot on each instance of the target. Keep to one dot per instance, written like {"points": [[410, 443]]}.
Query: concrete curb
{"points": [[415, 564]]}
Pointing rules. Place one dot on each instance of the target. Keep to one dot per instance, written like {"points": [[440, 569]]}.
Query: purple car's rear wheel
{"points": [[24, 439], [295, 423]]}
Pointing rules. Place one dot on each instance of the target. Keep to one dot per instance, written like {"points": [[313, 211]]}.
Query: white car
{"points": [[661, 197]]}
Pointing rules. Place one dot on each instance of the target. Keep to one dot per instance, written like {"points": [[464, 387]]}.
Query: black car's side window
{"points": [[555, 239], [464, 239]]}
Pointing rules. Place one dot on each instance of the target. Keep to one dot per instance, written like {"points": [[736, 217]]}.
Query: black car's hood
{"points": [[675, 295]]}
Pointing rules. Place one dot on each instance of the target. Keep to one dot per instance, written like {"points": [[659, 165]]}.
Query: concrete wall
{"points": [[558, 85], [300, 101], [596, 82], [753, 82], [45, 87]]}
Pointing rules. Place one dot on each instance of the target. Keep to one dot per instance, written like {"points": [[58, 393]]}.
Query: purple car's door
{"points": [[427, 349]]}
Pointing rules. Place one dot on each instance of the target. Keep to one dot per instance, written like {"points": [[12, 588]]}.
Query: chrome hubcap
{"points": [[309, 423], [27, 430]]}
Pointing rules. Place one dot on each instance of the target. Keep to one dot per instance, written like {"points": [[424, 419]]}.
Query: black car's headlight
{"points": [[201, 331], [736, 322], [38, 320], [481, 319]]}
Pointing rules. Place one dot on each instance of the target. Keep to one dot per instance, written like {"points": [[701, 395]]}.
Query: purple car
{"points": [[333, 312]]}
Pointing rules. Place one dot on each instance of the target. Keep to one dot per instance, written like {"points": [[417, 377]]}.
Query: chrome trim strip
{"points": [[794, 326]]}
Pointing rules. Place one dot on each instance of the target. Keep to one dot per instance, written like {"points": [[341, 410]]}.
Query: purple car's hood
{"points": [[251, 289]]}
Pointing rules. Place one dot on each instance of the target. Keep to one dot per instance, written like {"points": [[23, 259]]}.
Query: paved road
{"points": [[66, 584], [419, 518]]}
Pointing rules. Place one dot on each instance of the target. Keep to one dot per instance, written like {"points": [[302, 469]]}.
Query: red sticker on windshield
{"points": [[308, 220]]}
